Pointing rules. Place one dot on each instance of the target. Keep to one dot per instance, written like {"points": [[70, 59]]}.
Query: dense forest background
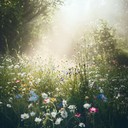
{"points": [[22, 23]]}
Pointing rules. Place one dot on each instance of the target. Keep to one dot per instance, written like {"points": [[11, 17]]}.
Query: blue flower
{"points": [[101, 96], [32, 92], [60, 105], [34, 97], [18, 96]]}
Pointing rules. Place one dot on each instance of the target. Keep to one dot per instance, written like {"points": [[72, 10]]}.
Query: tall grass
{"points": [[35, 93]]}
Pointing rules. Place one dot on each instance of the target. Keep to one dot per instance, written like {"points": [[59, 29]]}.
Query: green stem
{"points": [[72, 118], [93, 121]]}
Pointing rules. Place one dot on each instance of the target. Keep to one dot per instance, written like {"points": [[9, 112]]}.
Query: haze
{"points": [[75, 17]]}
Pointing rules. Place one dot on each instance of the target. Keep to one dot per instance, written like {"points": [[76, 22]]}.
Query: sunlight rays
{"points": [[71, 21]]}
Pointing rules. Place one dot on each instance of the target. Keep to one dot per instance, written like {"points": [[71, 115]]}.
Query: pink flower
{"points": [[17, 81], [46, 100], [77, 115], [93, 110]]}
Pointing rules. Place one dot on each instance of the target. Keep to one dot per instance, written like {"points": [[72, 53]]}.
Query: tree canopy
{"points": [[20, 21]]}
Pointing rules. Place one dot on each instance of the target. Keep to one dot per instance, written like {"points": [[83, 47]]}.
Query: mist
{"points": [[75, 17]]}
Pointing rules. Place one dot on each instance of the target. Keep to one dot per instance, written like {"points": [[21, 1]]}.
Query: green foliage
{"points": [[122, 57], [104, 66], [21, 20], [105, 42], [32, 89], [76, 86], [22, 78]]}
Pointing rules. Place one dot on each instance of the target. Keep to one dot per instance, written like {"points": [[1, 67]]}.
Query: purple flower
{"points": [[101, 96]]}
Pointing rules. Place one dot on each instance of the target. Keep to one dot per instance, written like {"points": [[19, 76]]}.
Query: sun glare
{"points": [[66, 28], [70, 21]]}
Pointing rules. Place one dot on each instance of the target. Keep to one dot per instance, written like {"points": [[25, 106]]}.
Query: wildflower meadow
{"points": [[63, 63], [35, 93]]}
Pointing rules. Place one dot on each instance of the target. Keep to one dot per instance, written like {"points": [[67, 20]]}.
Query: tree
{"points": [[105, 42], [20, 20]]}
